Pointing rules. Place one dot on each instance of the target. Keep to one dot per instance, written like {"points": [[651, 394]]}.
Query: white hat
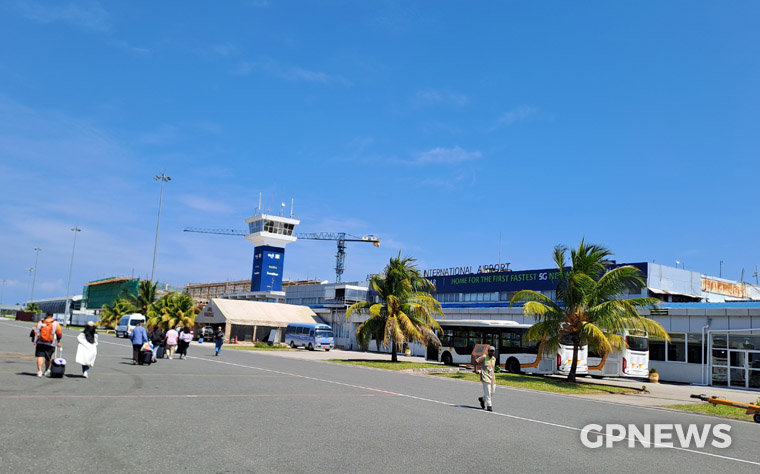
{"points": [[492, 348], [90, 323]]}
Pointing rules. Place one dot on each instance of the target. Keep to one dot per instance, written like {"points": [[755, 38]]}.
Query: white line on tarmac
{"points": [[440, 402]]}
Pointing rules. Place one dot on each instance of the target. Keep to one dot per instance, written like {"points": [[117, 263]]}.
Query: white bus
{"points": [[515, 353], [631, 361], [310, 335]]}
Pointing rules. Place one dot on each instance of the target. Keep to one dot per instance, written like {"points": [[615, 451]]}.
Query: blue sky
{"points": [[444, 128]]}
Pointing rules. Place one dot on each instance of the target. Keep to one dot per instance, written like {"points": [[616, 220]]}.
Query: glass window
{"points": [[719, 357], [637, 343], [737, 358], [656, 349], [694, 348], [743, 341], [677, 348], [446, 337], [719, 340]]}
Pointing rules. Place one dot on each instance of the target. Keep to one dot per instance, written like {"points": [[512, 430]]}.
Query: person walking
{"points": [[218, 339], [87, 350], [138, 337], [46, 336], [184, 342], [156, 338], [485, 365], [172, 336]]}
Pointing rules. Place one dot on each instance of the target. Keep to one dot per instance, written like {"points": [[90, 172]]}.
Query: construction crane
{"points": [[340, 237]]}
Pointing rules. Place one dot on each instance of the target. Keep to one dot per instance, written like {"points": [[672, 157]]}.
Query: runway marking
{"points": [[193, 395], [453, 405], [429, 400]]}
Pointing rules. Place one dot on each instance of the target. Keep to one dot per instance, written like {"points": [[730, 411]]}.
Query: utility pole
{"points": [[1, 293], [34, 279], [67, 315], [163, 178], [28, 283]]}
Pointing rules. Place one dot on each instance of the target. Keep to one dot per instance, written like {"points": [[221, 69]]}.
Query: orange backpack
{"points": [[47, 332]]}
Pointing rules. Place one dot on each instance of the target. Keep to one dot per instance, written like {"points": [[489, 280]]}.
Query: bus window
{"points": [[510, 341], [446, 337], [637, 343]]}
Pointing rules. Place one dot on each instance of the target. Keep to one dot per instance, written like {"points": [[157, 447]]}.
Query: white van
{"points": [[127, 324]]}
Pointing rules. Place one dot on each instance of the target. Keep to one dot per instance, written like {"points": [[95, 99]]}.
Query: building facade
{"points": [[713, 323]]}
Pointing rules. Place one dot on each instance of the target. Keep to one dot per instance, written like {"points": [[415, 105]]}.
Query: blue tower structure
{"points": [[270, 234]]}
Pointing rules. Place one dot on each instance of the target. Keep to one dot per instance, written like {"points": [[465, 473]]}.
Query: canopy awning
{"points": [[255, 313]]}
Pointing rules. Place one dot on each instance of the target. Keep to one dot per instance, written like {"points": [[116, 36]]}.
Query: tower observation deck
{"points": [[270, 234]]}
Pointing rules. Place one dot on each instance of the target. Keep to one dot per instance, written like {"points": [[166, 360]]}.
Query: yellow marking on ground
{"points": [[15, 355]]}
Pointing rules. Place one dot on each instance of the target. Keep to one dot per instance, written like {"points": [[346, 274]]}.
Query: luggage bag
{"points": [[58, 365], [160, 352], [147, 357]]}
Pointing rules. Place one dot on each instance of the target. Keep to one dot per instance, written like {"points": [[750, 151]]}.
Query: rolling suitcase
{"points": [[147, 357], [58, 365], [160, 352]]}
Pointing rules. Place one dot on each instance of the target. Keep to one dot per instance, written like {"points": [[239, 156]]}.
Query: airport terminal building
{"points": [[714, 323]]}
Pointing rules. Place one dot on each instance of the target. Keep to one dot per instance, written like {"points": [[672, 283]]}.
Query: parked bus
{"points": [[515, 353], [631, 361], [310, 335]]}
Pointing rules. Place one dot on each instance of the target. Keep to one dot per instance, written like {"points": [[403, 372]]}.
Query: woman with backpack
{"points": [[87, 350]]}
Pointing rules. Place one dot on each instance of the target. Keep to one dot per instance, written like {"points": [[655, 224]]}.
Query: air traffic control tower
{"points": [[270, 235]]}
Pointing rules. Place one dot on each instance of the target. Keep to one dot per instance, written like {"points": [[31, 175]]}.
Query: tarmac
{"points": [[656, 394]]}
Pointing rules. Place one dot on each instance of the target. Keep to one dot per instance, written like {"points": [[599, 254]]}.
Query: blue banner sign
{"points": [[537, 280], [267, 268]]}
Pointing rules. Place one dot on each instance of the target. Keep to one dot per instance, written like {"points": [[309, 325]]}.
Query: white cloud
{"points": [[291, 73], [518, 114], [447, 156], [431, 97], [124, 46], [89, 16], [204, 204]]}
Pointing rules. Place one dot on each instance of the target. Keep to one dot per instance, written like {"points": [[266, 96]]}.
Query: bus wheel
{"points": [[292, 345], [756, 417], [311, 348], [446, 358], [513, 366]]}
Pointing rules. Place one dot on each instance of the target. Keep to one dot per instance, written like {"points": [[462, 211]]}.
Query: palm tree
{"points": [[171, 310], [32, 308], [111, 314], [146, 296], [589, 308], [405, 312]]}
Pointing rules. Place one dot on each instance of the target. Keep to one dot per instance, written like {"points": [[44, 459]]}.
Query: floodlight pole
{"points": [[163, 178], [67, 316], [34, 278]]}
